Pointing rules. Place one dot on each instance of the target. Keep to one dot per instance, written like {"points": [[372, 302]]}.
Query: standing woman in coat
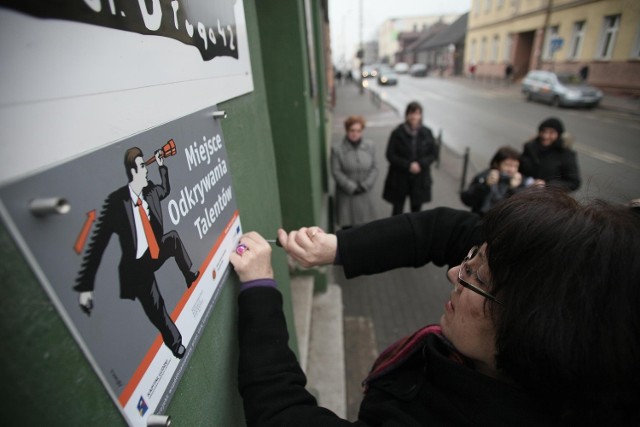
{"points": [[353, 166], [410, 152], [549, 159]]}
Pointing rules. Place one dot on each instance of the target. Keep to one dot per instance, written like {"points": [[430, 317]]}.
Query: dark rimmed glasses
{"points": [[463, 266]]}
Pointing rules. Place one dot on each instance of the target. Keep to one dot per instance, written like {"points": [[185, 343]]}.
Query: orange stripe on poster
{"points": [[157, 343]]}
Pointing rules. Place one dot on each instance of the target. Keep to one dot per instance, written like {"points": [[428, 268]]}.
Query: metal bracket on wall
{"points": [[158, 421], [49, 206], [219, 115]]}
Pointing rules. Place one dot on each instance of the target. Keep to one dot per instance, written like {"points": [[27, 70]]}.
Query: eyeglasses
{"points": [[463, 267]]}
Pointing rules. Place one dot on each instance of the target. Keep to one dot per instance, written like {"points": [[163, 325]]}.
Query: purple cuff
{"points": [[258, 283]]}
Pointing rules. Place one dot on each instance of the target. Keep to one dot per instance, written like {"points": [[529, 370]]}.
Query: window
{"points": [[552, 33], [499, 4], [476, 7], [483, 50], [576, 39], [507, 47], [608, 36], [472, 53], [635, 53], [487, 6], [494, 48]]}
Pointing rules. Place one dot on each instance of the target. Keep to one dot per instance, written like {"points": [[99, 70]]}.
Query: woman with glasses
{"points": [[542, 326]]}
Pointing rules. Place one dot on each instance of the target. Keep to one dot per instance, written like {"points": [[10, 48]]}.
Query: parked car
{"points": [[386, 76], [418, 70], [401, 68], [560, 89]]}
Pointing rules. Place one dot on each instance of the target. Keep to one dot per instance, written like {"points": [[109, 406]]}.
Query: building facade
{"points": [[559, 35], [388, 43]]}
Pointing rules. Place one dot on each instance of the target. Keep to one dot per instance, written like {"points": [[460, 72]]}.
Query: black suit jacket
{"points": [[116, 217]]}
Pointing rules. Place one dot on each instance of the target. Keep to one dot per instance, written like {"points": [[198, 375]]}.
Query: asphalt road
{"points": [[484, 117]]}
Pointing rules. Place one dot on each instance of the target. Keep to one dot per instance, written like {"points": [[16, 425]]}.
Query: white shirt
{"points": [[141, 238]]}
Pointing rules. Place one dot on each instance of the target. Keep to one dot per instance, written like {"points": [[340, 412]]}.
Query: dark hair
{"points": [[412, 107], [503, 154], [552, 123], [568, 275], [351, 120], [130, 157]]}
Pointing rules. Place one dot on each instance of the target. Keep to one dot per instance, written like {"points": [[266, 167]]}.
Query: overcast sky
{"points": [[344, 17]]}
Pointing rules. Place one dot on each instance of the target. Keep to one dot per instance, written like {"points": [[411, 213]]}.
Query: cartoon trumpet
{"points": [[168, 150]]}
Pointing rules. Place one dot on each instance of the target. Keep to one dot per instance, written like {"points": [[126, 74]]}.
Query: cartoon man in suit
{"points": [[134, 214]]}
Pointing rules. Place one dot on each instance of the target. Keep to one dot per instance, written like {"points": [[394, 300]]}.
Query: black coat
{"points": [[400, 183], [556, 165], [428, 389]]}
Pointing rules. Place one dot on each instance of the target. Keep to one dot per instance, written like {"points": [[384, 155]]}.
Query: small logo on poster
{"points": [[142, 406], [237, 230], [214, 274]]}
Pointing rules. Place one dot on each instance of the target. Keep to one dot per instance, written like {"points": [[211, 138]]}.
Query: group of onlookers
{"points": [[547, 159]]}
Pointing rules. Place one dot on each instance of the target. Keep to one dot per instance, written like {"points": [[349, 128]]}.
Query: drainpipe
{"points": [[545, 30]]}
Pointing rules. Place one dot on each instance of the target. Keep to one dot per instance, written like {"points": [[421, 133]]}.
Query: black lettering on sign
{"points": [[207, 25]]}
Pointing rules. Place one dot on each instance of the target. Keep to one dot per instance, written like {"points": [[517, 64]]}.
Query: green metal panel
{"points": [[293, 111]]}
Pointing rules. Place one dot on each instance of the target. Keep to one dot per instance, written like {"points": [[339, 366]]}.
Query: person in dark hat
{"points": [[548, 159]]}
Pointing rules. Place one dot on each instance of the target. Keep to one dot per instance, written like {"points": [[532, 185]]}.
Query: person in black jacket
{"points": [[410, 152], [549, 159], [495, 184], [541, 327]]}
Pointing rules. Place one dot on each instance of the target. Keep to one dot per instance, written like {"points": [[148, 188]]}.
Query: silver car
{"points": [[387, 77], [560, 89]]}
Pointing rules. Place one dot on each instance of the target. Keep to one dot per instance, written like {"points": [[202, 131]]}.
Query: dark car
{"points": [[560, 89], [418, 70], [386, 76]]}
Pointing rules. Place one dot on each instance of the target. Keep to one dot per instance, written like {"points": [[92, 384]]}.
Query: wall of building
{"points": [[277, 160]]}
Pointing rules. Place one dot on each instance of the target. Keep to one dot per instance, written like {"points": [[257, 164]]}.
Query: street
{"points": [[485, 116]]}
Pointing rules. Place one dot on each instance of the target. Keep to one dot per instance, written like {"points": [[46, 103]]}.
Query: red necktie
{"points": [[154, 250]]}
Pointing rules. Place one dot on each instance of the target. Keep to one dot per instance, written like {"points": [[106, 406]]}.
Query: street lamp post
{"points": [[361, 52]]}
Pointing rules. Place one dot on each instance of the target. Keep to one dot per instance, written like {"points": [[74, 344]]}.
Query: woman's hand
{"points": [[310, 246], [516, 180], [415, 168], [255, 261], [493, 177]]}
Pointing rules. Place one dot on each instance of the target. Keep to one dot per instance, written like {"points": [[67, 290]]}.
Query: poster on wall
{"points": [[132, 244], [109, 69]]}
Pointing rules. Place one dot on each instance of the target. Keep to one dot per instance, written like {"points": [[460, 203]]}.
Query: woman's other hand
{"points": [[493, 177], [415, 168], [255, 261], [310, 246]]}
